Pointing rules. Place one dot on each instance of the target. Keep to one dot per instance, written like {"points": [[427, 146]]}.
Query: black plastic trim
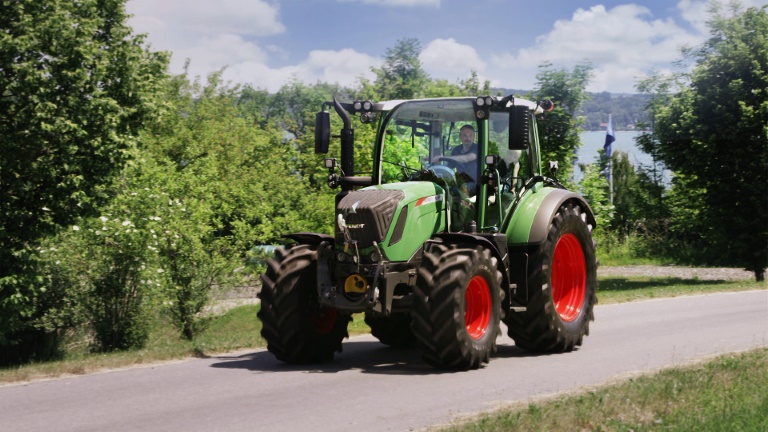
{"points": [[397, 234]]}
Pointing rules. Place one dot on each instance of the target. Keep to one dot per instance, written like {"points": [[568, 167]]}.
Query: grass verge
{"points": [[622, 289], [234, 330], [727, 393]]}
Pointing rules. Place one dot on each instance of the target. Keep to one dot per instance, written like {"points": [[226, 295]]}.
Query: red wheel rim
{"points": [[569, 277], [478, 307], [323, 321]]}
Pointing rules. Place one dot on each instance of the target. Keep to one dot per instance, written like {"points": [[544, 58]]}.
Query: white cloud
{"points": [[246, 17], [221, 36], [622, 43], [406, 3], [446, 58], [211, 37], [344, 67], [696, 13]]}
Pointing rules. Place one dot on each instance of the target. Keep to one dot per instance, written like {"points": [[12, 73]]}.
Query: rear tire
{"points": [[457, 306], [562, 279], [394, 330], [297, 329]]}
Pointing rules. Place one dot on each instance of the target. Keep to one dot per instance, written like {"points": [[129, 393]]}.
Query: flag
{"points": [[610, 136]]}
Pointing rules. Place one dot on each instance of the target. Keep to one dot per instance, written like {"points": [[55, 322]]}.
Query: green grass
{"points": [[237, 329], [622, 289], [729, 393]]}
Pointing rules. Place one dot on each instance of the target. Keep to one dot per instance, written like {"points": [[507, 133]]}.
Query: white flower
{"points": [[126, 222], [103, 219], [75, 228], [160, 271], [46, 209], [97, 232]]}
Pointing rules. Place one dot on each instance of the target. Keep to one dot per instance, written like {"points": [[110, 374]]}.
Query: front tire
{"points": [[297, 329], [562, 280], [457, 306]]}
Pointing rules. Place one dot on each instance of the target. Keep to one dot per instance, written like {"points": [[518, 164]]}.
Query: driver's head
{"points": [[467, 134]]}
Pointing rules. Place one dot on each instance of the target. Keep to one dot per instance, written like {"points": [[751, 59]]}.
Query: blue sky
{"points": [[265, 43]]}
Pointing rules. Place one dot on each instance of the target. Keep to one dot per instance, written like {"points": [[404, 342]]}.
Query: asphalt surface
{"points": [[370, 387]]}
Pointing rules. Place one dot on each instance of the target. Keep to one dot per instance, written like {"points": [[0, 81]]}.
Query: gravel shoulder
{"points": [[701, 273]]}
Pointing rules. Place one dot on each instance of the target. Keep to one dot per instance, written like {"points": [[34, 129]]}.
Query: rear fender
{"points": [[548, 209], [530, 222]]}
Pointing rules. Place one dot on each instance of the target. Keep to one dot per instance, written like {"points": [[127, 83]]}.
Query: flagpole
{"points": [[610, 137], [610, 179]]}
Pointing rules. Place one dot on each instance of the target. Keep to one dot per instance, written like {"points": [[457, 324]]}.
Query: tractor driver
{"points": [[464, 156]]}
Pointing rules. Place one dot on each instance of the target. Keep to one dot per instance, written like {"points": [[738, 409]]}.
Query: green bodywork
{"points": [[424, 217]]}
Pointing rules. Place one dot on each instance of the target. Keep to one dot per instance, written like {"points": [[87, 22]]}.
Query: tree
{"points": [[401, 75], [560, 131], [76, 86], [715, 133], [625, 193]]}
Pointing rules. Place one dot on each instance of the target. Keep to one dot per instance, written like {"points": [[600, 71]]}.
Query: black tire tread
{"points": [[288, 287], [437, 316]]}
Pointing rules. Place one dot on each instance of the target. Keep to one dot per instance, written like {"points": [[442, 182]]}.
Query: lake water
{"points": [[591, 142]]}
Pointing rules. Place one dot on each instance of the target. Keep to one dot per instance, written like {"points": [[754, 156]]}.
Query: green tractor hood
{"points": [[392, 219]]}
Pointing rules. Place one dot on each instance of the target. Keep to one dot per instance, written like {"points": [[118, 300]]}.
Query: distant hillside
{"points": [[627, 109]]}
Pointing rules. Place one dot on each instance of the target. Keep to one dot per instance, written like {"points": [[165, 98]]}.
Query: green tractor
{"points": [[456, 230]]}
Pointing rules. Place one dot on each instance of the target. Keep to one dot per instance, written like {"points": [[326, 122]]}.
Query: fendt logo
{"points": [[344, 226]]}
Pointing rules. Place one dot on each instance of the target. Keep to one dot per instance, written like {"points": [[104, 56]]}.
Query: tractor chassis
{"points": [[381, 297]]}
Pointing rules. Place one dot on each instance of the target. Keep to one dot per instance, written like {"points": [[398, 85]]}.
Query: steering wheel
{"points": [[443, 171], [450, 162]]}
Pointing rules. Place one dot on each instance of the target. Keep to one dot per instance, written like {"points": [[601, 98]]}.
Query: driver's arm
{"points": [[465, 158]]}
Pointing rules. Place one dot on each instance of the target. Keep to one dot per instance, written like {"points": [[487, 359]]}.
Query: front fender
{"points": [[309, 238]]}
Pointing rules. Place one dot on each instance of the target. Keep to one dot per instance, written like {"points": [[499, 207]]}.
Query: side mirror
{"points": [[519, 128], [553, 168], [322, 132]]}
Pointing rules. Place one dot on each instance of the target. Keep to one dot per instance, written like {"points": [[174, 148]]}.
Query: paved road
{"points": [[373, 388]]}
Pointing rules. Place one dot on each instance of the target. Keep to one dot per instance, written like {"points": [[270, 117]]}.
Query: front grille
{"points": [[368, 214]]}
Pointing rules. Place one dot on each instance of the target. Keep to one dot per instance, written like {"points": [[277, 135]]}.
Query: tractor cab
{"points": [[464, 145], [428, 140]]}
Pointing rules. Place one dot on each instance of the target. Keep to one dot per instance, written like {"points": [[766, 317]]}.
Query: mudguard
{"points": [[309, 238], [530, 221]]}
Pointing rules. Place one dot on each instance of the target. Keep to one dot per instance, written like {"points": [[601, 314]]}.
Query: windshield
{"points": [[422, 134], [418, 133]]}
